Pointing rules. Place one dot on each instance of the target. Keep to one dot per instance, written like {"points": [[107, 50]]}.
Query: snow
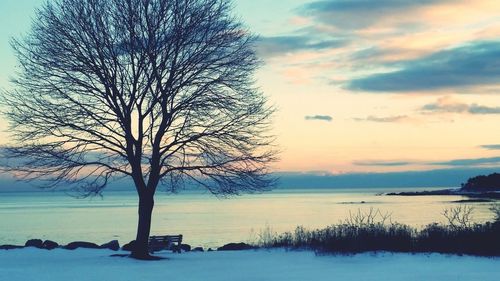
{"points": [[276, 265]]}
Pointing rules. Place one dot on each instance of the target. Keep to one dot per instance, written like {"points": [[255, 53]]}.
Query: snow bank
{"points": [[87, 264]]}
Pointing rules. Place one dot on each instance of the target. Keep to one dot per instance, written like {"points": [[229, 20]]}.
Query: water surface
{"points": [[203, 219]]}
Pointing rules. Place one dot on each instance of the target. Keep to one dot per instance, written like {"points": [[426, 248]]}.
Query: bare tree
{"points": [[160, 91]]}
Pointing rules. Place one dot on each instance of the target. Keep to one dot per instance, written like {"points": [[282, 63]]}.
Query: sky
{"points": [[363, 86]]}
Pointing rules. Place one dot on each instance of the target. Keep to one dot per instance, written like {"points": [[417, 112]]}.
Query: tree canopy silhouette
{"points": [[159, 91]]}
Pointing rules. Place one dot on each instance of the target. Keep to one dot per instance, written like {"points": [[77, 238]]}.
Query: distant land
{"points": [[482, 186], [450, 178], [482, 183]]}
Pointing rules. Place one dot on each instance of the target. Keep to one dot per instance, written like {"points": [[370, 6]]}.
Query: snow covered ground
{"points": [[86, 264]]}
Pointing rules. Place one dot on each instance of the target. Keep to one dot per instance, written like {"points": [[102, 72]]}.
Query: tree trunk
{"points": [[146, 203]]}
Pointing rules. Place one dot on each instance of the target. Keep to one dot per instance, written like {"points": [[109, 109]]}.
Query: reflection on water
{"points": [[203, 219]]}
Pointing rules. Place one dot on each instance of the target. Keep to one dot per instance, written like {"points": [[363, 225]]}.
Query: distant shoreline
{"points": [[477, 195]]}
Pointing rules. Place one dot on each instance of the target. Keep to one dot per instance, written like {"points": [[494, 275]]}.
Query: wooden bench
{"points": [[165, 242]]}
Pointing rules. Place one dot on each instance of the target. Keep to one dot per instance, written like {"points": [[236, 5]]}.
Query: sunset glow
{"points": [[401, 86]]}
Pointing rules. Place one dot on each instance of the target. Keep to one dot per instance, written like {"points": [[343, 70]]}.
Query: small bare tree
{"points": [[367, 218], [159, 91], [495, 209], [459, 217]]}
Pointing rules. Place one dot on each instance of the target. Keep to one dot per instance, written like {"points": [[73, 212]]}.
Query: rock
{"points": [[81, 244], [49, 245], [10, 247], [37, 243], [175, 248], [185, 247], [235, 247], [129, 246], [198, 249], [112, 245], [210, 250]]}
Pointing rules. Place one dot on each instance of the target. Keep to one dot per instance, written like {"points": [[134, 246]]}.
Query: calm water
{"points": [[203, 219]]}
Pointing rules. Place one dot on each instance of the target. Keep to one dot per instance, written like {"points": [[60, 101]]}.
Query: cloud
{"points": [[470, 65], [281, 45], [326, 118], [435, 178], [479, 109], [445, 105], [470, 162], [395, 45], [386, 119], [382, 163], [491, 146], [449, 105], [356, 14]]}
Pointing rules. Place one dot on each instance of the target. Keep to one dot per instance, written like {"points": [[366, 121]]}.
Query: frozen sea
{"points": [[203, 219]]}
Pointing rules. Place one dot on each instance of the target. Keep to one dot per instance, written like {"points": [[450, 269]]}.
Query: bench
{"points": [[165, 242]]}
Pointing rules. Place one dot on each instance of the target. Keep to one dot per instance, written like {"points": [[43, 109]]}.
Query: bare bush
{"points": [[365, 218], [266, 236], [495, 208], [459, 217]]}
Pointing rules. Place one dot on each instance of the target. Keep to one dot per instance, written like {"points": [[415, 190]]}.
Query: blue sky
{"points": [[364, 86]]}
